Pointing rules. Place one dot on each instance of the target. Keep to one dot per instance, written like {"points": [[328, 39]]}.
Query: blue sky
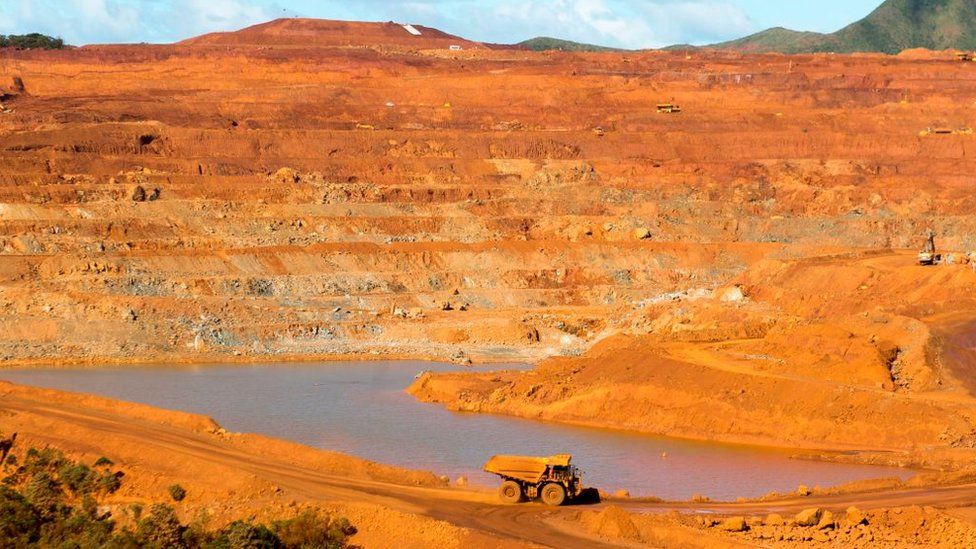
{"points": [[624, 23]]}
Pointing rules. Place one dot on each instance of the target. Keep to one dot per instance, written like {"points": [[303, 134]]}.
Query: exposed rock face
{"points": [[387, 201], [771, 369]]}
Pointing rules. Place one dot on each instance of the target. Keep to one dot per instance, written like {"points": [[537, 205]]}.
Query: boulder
{"points": [[734, 524], [461, 482], [642, 233], [801, 490], [774, 520], [808, 517], [733, 294], [855, 516], [826, 521], [286, 175]]}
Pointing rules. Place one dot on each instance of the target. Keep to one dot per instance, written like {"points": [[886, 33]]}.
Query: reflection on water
{"points": [[361, 409]]}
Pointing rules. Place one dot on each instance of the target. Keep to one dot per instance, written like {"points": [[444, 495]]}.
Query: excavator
{"points": [[928, 256]]}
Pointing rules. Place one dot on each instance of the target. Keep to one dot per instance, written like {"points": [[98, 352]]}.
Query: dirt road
{"points": [[467, 508]]}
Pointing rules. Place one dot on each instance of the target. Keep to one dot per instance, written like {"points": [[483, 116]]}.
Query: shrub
{"points": [[109, 482], [161, 528], [48, 459], [103, 462], [313, 529], [246, 535], [50, 502], [45, 494], [177, 492], [80, 527], [20, 523], [77, 477]]}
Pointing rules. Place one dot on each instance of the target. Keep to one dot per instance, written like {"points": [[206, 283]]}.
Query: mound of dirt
{"points": [[612, 523]]}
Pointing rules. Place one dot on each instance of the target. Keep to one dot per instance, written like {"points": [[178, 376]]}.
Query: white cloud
{"points": [[95, 21]]}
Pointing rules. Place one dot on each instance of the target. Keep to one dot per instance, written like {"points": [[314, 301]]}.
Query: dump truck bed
{"points": [[525, 468]]}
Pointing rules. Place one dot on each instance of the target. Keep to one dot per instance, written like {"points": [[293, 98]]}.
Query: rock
{"points": [[808, 517], [855, 516], [826, 521], [736, 294], [801, 489], [698, 498], [461, 482], [774, 519], [139, 194], [734, 524], [286, 175], [623, 494], [642, 233], [416, 312], [446, 306]]}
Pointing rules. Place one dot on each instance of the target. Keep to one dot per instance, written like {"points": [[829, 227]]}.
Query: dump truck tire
{"points": [[553, 494], [510, 492]]}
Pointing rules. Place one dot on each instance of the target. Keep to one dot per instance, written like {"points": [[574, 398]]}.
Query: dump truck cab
{"points": [[553, 479]]}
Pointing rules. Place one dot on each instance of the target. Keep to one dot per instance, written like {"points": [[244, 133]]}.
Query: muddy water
{"points": [[361, 409]]}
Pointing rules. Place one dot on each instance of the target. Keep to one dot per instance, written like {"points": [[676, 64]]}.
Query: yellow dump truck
{"points": [[552, 479], [668, 108]]}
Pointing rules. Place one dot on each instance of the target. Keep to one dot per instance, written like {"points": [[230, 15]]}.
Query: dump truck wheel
{"points": [[510, 492], [553, 494]]}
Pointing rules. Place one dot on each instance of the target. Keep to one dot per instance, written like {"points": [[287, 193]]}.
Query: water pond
{"points": [[361, 408]]}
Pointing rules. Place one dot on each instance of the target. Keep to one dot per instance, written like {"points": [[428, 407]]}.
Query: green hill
{"points": [[894, 26], [544, 43]]}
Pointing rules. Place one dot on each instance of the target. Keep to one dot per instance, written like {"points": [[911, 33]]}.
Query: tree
{"points": [[33, 40]]}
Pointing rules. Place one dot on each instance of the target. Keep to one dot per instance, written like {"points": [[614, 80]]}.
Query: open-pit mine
{"points": [[707, 245]]}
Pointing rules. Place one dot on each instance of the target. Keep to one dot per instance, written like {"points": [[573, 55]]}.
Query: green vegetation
{"points": [[31, 41], [49, 500], [543, 43], [177, 492], [894, 26]]}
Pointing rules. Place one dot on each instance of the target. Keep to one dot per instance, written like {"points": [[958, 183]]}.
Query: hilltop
{"points": [[323, 32], [894, 26], [545, 43]]}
